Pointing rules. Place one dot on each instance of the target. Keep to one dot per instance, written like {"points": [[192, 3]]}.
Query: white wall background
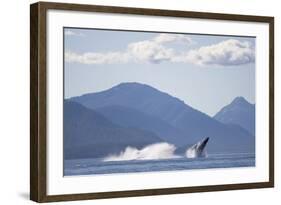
{"points": [[14, 101]]}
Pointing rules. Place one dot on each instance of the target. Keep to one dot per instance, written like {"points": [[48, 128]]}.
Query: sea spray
{"points": [[193, 153], [151, 152]]}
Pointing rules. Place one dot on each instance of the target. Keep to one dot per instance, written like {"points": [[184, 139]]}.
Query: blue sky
{"points": [[207, 72]]}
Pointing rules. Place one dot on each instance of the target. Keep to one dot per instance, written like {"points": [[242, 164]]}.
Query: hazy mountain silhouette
{"points": [[132, 118], [239, 112], [89, 134], [191, 124]]}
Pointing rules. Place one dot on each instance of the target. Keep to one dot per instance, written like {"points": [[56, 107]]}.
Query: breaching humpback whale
{"points": [[197, 150]]}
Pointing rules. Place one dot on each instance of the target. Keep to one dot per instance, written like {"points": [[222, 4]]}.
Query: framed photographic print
{"points": [[134, 102]]}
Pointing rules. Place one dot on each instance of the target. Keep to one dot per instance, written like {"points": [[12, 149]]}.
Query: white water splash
{"points": [[154, 151], [192, 152]]}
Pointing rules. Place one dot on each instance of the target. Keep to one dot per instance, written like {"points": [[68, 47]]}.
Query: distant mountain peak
{"points": [[137, 88], [130, 84], [239, 112], [240, 101], [134, 85]]}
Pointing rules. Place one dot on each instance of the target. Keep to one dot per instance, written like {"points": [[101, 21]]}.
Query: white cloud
{"points": [[72, 33], [168, 38], [149, 51], [226, 53], [96, 58]]}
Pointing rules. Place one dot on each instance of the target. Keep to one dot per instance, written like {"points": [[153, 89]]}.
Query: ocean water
{"points": [[99, 166]]}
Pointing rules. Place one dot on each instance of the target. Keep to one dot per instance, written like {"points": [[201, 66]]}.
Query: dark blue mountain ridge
{"points": [[191, 123], [88, 134], [129, 95], [239, 112], [129, 117]]}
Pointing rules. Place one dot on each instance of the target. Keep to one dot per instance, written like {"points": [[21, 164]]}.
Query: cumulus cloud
{"points": [[156, 50], [96, 58], [167, 38], [72, 33], [149, 51], [229, 52]]}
